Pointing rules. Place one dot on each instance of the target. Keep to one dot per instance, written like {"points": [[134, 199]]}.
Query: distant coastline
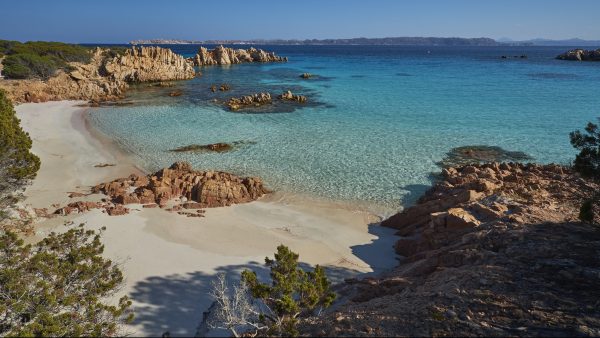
{"points": [[389, 41], [392, 41]]}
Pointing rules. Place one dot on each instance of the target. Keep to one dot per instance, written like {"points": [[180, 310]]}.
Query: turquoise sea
{"points": [[377, 121]]}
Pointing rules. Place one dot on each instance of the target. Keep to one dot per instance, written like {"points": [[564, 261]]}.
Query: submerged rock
{"points": [[216, 147], [219, 147], [176, 93], [481, 154], [306, 75], [580, 55], [226, 56]]}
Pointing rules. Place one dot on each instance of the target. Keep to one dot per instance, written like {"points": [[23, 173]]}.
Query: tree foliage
{"points": [[57, 287], [39, 59], [292, 293], [587, 162], [16, 160]]}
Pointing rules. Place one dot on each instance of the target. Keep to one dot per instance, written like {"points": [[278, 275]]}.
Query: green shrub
{"points": [[61, 51], [587, 162], [57, 287], [39, 59], [292, 293], [24, 66], [16, 160]]}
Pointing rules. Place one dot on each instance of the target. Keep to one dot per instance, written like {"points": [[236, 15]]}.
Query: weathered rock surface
{"points": [[580, 55], [106, 77], [289, 96], [81, 207], [208, 188], [256, 100], [492, 250], [226, 56], [149, 64]]}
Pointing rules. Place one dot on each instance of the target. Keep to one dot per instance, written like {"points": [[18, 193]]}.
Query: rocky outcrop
{"points": [[289, 96], [256, 100], [227, 56], [580, 55], [81, 207], [145, 64], [521, 193], [83, 82], [491, 250], [208, 188], [106, 77]]}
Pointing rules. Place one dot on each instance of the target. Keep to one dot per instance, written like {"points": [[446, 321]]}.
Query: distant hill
{"points": [[575, 42], [391, 41], [413, 41]]}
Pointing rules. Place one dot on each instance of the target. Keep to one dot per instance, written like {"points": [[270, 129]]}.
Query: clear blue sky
{"points": [[113, 21]]}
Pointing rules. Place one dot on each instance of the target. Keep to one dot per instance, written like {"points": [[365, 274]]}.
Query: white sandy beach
{"points": [[169, 260]]}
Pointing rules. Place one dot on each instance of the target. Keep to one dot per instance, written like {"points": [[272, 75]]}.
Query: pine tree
{"points": [[587, 162], [57, 287], [293, 292]]}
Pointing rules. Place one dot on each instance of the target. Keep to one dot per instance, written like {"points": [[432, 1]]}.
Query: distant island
{"points": [[397, 41], [390, 41]]}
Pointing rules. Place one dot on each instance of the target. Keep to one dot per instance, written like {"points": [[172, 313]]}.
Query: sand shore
{"points": [[169, 260]]}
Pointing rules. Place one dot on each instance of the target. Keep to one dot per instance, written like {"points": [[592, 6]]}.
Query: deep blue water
{"points": [[378, 118]]}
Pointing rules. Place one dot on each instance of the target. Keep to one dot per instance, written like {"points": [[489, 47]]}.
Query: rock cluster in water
{"points": [[492, 250], [289, 96], [106, 77], [206, 189], [580, 55], [255, 100], [227, 56]]}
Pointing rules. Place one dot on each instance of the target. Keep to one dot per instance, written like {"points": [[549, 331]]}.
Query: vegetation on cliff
{"points": [[39, 59], [57, 286]]}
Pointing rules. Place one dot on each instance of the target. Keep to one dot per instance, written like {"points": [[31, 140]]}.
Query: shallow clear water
{"points": [[379, 118]]}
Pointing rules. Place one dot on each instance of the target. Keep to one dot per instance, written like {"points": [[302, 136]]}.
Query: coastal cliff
{"points": [[105, 77], [145, 64], [227, 56], [493, 249]]}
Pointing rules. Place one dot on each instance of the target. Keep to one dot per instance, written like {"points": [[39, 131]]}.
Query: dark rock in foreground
{"points": [[580, 55], [493, 250]]}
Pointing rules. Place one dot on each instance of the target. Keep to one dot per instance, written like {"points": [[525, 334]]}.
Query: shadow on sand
{"points": [[175, 303]]}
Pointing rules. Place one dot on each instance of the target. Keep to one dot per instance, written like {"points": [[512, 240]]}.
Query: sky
{"points": [[119, 21]]}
